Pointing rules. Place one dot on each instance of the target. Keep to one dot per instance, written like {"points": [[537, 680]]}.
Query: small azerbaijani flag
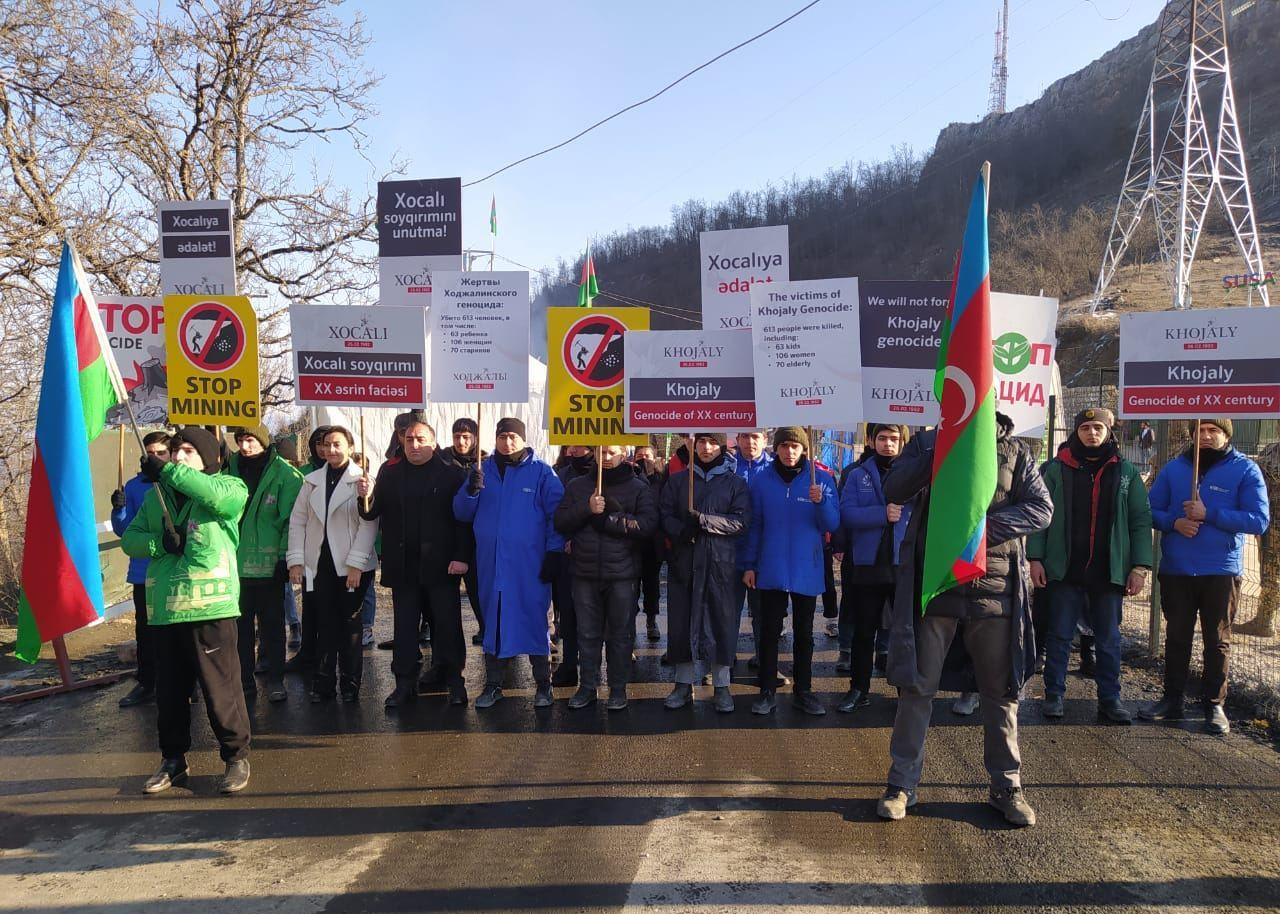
{"points": [[588, 288], [964, 457], [493, 215], [61, 580]]}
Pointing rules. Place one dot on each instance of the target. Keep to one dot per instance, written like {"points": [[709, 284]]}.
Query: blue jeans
{"points": [[1101, 612], [370, 606], [290, 605]]}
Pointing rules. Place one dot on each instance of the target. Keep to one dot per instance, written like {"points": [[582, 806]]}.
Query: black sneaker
{"points": [[807, 702], [138, 695], [1215, 720], [852, 701], [617, 700], [542, 696], [171, 773], [386, 645], [581, 698], [458, 696], [765, 703], [235, 778], [1164, 709]]}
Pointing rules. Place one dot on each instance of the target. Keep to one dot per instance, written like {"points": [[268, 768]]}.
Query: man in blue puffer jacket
{"points": [[875, 529], [124, 507], [783, 559], [1201, 562]]}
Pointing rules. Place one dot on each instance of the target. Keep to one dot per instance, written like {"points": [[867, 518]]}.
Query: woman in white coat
{"points": [[331, 549]]}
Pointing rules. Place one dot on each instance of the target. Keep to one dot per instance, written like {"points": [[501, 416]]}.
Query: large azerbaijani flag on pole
{"points": [[61, 579], [964, 457]]}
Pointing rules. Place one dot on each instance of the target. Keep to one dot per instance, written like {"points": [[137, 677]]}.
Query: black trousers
{"points": [[606, 615], [442, 603], [864, 608], [260, 600], [471, 581], [339, 661], [773, 610], [830, 600], [200, 652], [1213, 598], [650, 580], [495, 669], [310, 628], [566, 617], [145, 639]]}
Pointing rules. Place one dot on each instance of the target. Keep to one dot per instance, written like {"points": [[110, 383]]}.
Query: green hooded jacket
{"points": [[203, 582], [264, 527], [1130, 523]]}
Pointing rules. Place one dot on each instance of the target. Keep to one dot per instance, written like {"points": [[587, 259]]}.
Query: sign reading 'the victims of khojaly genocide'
{"points": [[419, 231], [1189, 364], [585, 368], [212, 343]]}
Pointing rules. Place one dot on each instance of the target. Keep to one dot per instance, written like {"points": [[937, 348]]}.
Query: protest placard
{"points": [[733, 262], [419, 232], [480, 337], [197, 247], [135, 331], [585, 367], [212, 344], [689, 380], [359, 356]]}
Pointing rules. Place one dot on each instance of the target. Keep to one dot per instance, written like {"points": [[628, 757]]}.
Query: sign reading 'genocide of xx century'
{"points": [[480, 337], [359, 356], [732, 263], [689, 380], [585, 367], [1185, 364], [197, 248], [419, 232], [212, 343], [135, 332], [806, 344]]}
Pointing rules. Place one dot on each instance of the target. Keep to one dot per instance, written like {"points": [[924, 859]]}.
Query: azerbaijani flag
{"points": [[964, 456], [493, 215], [588, 288], [61, 580]]}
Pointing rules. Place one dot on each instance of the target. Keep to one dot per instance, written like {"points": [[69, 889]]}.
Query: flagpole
{"points": [[120, 456], [1195, 462], [691, 460], [164, 508]]}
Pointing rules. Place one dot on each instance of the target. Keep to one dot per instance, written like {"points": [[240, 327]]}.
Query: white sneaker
{"points": [[366, 636]]}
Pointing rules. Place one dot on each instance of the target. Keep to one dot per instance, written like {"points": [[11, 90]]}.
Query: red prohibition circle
{"points": [[212, 337], [592, 351]]}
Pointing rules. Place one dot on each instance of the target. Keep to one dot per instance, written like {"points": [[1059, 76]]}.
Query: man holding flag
{"points": [[975, 494]]}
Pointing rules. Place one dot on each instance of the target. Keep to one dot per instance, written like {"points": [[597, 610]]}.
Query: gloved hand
{"points": [[475, 482], [174, 542], [152, 467], [117, 500], [692, 524], [551, 565]]}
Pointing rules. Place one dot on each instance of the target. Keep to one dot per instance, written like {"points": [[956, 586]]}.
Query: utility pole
{"points": [[996, 99], [1181, 159]]}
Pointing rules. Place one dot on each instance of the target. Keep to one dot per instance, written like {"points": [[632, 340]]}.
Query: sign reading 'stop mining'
{"points": [[419, 231]]}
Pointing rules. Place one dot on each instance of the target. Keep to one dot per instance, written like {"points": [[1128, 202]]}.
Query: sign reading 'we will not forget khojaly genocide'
{"points": [[212, 343], [586, 361], [686, 380], [1190, 364], [480, 337], [359, 356], [419, 232], [197, 247], [732, 262], [808, 371]]}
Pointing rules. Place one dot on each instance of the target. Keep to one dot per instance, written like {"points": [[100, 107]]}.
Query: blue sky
{"points": [[469, 87]]}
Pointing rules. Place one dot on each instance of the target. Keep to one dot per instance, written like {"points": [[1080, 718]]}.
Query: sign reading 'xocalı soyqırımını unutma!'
{"points": [[359, 356], [419, 232], [197, 247], [480, 337], [1189, 364]]}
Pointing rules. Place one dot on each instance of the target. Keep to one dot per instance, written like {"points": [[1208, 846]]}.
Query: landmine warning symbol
{"points": [[212, 337], [593, 351]]}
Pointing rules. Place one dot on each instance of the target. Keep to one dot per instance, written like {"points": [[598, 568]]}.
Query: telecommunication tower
{"points": [[1000, 66], [1187, 151]]}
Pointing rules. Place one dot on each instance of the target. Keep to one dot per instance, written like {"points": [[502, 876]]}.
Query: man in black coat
{"points": [[463, 454], [646, 468], [424, 552], [607, 531], [580, 461]]}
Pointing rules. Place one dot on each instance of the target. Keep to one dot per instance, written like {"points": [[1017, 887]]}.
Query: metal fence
{"points": [[1255, 657]]}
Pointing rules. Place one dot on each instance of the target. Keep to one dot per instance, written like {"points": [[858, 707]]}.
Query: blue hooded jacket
{"points": [[785, 540], [862, 504], [135, 490], [1235, 503], [513, 522]]}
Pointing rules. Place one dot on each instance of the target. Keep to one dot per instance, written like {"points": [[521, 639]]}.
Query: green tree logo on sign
{"points": [[1012, 353]]}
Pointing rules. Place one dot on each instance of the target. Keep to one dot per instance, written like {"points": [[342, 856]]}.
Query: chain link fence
{"points": [[1255, 647]]}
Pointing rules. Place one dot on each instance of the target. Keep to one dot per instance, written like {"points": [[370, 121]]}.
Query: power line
{"points": [[645, 101]]}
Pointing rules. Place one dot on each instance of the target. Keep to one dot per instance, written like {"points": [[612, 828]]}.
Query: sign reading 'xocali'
{"points": [[359, 356]]}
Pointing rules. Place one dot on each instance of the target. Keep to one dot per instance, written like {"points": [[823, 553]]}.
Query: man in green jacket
{"points": [[193, 601], [1096, 551], [273, 484]]}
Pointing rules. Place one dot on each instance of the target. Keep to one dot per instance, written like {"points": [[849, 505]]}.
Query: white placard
{"points": [[359, 356], [807, 360], [688, 380], [135, 331], [197, 247], [480, 337], [1197, 363], [419, 234], [732, 263]]}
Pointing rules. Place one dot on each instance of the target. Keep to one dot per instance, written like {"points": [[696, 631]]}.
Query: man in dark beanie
{"points": [[1096, 550], [510, 500], [193, 591], [464, 453], [273, 484], [1201, 562]]}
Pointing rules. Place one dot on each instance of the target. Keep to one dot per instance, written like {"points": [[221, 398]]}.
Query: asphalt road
{"points": [[444, 809]]}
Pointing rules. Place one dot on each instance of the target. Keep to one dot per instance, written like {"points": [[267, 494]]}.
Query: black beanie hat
{"points": [[467, 425], [205, 444], [719, 438], [511, 424]]}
